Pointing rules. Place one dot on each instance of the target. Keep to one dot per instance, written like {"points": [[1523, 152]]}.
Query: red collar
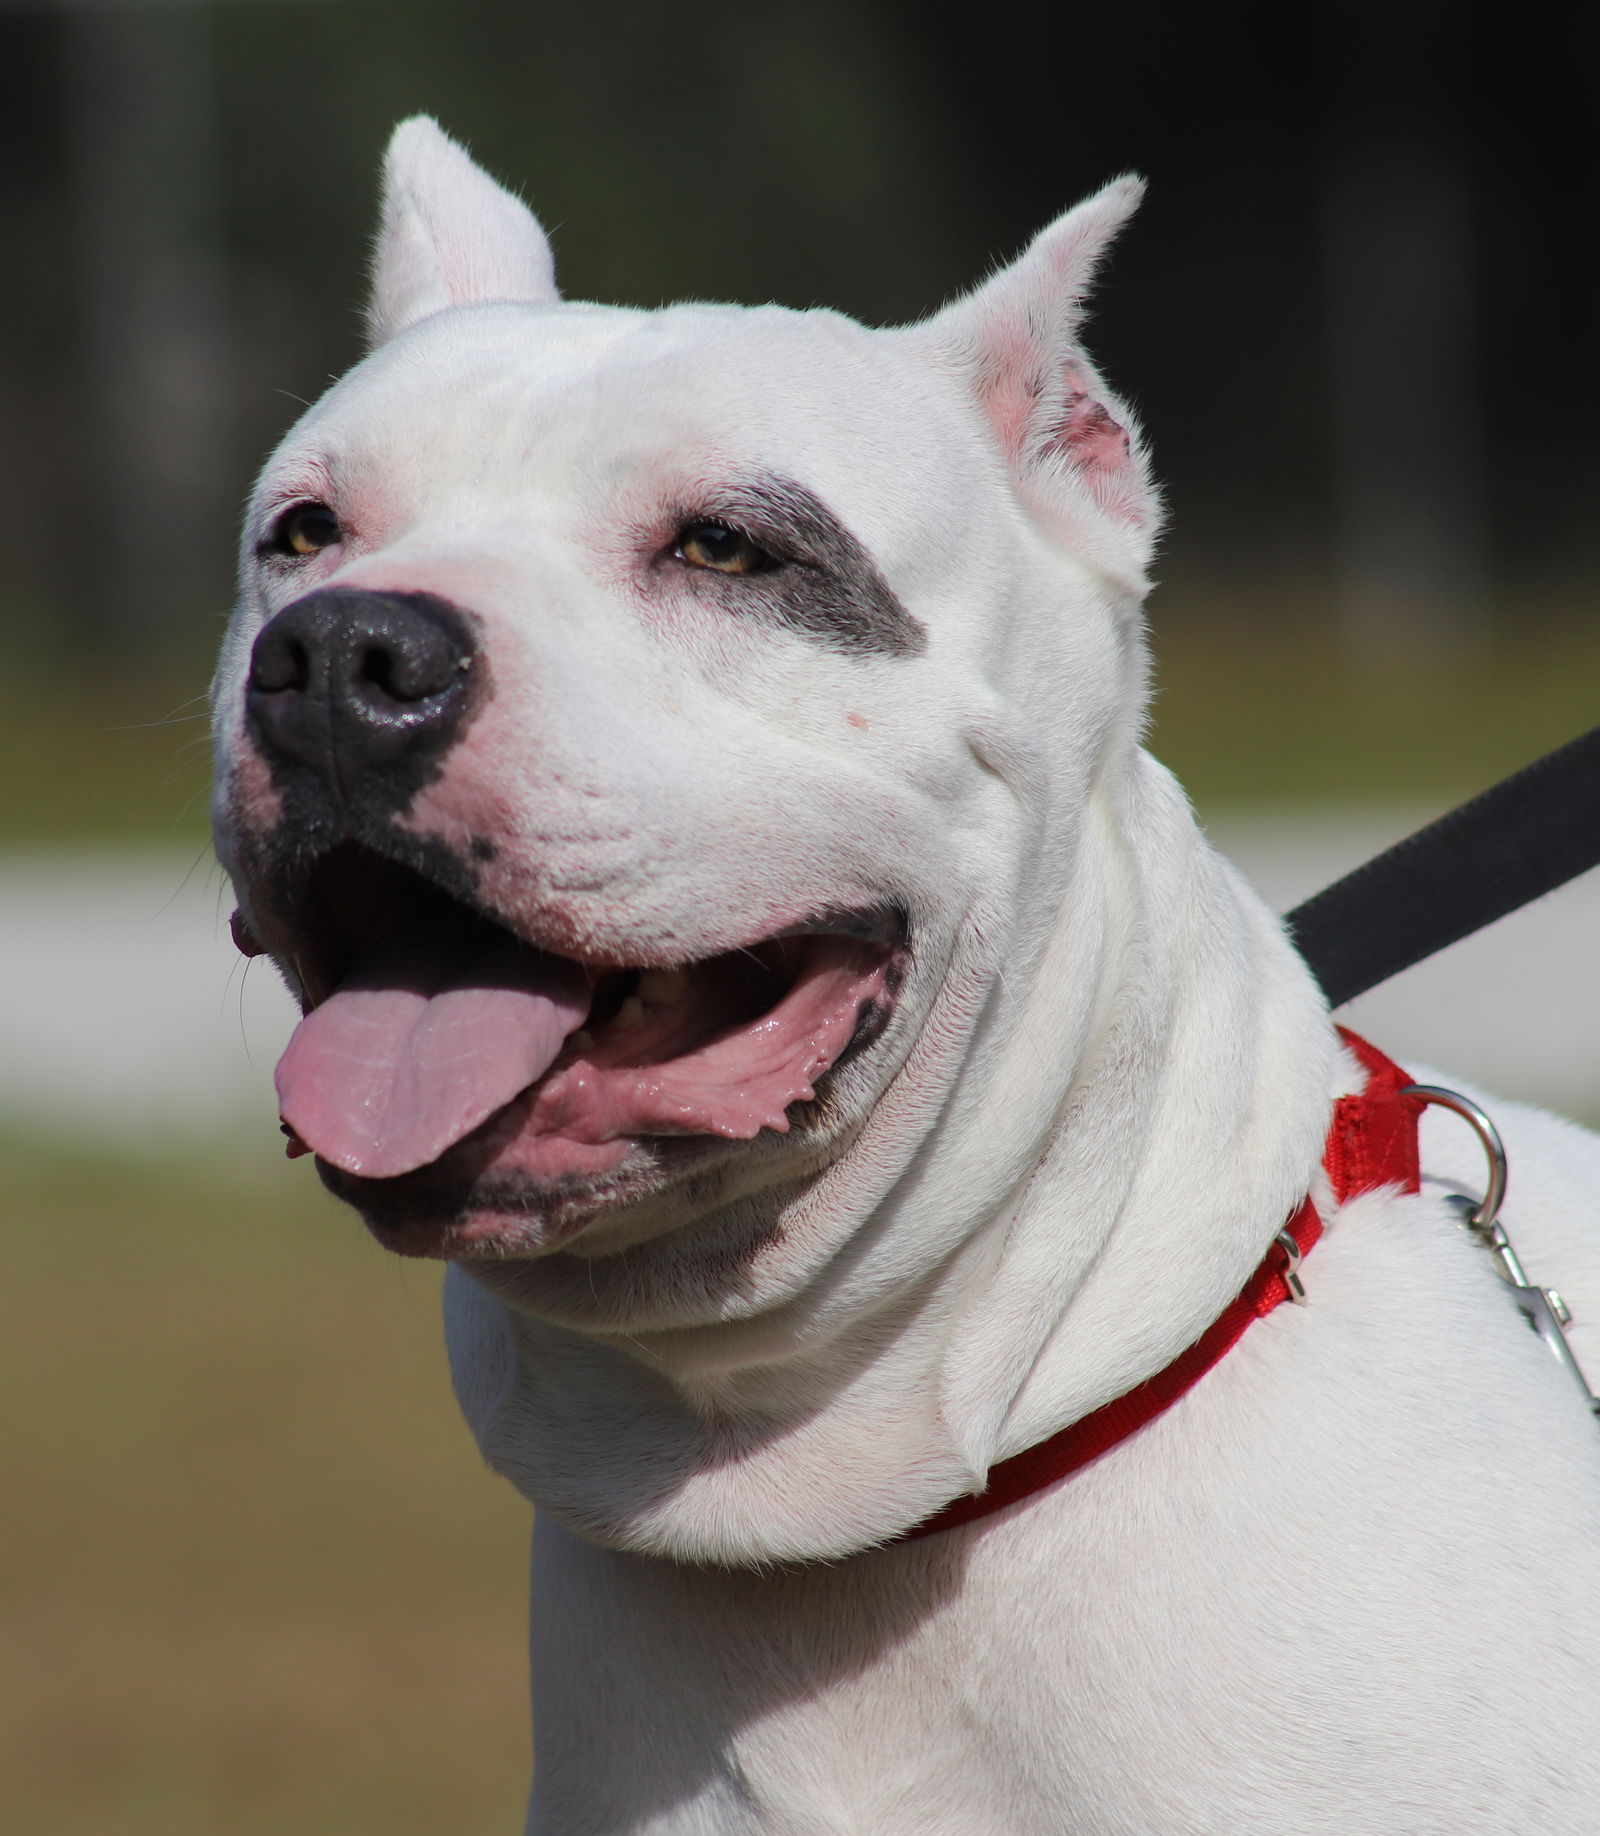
{"points": [[1372, 1142]]}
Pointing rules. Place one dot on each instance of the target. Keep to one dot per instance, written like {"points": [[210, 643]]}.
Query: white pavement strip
{"points": [[126, 1011], [126, 1008], [1515, 1007]]}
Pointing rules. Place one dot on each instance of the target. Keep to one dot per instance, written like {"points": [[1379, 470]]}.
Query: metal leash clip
{"points": [[1544, 1309]]}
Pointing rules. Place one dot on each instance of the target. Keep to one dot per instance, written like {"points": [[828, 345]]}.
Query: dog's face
{"points": [[636, 727]]}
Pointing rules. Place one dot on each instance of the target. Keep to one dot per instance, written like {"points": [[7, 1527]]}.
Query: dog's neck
{"points": [[1003, 1274]]}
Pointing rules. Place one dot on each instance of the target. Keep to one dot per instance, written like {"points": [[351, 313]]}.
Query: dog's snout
{"points": [[354, 683]]}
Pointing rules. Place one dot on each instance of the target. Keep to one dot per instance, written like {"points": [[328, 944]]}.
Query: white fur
{"points": [[1349, 1583]]}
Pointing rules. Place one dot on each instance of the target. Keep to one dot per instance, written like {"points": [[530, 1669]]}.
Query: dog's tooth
{"points": [[663, 987], [582, 1040], [630, 1014]]}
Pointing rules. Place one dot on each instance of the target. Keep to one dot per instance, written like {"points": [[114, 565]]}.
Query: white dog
{"points": [[688, 765]]}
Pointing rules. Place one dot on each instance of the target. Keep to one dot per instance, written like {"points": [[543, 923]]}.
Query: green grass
{"points": [[255, 1579], [1248, 711], [102, 759]]}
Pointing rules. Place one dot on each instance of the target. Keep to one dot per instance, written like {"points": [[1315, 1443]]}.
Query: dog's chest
{"points": [[1238, 1624]]}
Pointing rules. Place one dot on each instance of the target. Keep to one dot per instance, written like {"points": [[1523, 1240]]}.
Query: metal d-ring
{"points": [[1488, 1209], [1544, 1309]]}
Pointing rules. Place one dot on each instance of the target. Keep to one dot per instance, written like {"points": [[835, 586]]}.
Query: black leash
{"points": [[1526, 836]]}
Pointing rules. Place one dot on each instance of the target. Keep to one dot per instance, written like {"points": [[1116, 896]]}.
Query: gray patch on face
{"points": [[828, 587]]}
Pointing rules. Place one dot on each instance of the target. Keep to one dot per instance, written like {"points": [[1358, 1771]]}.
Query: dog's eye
{"points": [[723, 549], [306, 529]]}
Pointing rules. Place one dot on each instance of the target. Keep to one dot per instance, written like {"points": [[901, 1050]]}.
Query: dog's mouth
{"points": [[429, 1025]]}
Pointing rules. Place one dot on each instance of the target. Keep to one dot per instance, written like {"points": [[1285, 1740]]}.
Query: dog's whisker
{"points": [[177, 718]]}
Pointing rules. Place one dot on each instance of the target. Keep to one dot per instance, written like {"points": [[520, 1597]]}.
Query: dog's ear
{"points": [[1015, 340], [449, 236]]}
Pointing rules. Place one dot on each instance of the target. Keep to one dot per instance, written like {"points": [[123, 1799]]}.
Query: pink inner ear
{"points": [[1098, 448], [1088, 436]]}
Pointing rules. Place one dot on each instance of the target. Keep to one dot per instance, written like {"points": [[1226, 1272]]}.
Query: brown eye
{"points": [[723, 549], [307, 529]]}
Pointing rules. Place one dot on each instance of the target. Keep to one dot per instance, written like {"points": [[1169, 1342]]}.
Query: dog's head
{"points": [[650, 743]]}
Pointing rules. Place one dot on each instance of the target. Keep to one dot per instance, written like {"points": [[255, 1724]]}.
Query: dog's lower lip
{"points": [[456, 1212]]}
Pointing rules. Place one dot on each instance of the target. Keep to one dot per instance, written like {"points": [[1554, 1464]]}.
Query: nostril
{"points": [[412, 664], [377, 667], [280, 663]]}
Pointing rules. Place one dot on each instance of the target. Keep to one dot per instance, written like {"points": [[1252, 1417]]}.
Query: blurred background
{"points": [[254, 1579]]}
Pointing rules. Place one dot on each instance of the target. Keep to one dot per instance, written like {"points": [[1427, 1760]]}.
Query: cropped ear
{"points": [[449, 236], [1015, 340]]}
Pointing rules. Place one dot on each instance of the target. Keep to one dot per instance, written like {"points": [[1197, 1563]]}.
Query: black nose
{"points": [[364, 688]]}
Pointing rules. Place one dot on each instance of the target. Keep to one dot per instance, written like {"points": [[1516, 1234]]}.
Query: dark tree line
{"points": [[1358, 315]]}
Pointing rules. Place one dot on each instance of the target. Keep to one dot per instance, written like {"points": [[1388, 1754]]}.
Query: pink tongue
{"points": [[405, 1059]]}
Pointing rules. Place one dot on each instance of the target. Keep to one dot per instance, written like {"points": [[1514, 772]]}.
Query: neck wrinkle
{"points": [[1186, 1140]]}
